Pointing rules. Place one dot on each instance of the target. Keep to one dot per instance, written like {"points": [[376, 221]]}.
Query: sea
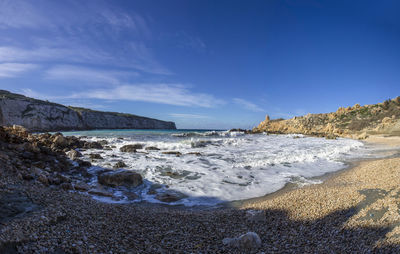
{"points": [[214, 167]]}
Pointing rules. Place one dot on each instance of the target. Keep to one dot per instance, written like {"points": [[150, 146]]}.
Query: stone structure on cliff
{"points": [[354, 122], [38, 115]]}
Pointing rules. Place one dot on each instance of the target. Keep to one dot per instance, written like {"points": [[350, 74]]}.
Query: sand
{"points": [[354, 211]]}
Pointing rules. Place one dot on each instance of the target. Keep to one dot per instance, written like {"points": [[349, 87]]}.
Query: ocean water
{"points": [[220, 166]]}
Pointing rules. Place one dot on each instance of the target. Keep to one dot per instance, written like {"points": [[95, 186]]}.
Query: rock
{"points": [[256, 215], [60, 141], [119, 164], [131, 148], [248, 241], [169, 196], [120, 178], [130, 195], [81, 186], [173, 153], [100, 192], [152, 148], [66, 186], [84, 164], [93, 145], [194, 153], [363, 135], [43, 179], [330, 136], [95, 156], [73, 154]]}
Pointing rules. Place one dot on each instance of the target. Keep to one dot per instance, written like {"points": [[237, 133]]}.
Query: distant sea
{"points": [[217, 166]]}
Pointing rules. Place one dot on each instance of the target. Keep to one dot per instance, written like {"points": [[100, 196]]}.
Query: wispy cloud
{"points": [[88, 75], [8, 70], [191, 116], [171, 94], [77, 32], [248, 105], [18, 14]]}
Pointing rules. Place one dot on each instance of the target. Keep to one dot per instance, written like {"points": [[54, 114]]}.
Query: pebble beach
{"points": [[354, 211]]}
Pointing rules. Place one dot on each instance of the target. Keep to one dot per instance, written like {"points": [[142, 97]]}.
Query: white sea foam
{"points": [[225, 166]]}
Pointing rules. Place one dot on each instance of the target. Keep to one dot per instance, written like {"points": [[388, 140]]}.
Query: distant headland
{"points": [[39, 115]]}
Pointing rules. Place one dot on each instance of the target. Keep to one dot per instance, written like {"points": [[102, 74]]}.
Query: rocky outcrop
{"points": [[354, 122], [38, 115]]}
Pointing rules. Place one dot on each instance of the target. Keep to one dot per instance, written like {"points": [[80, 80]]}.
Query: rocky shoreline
{"points": [[354, 211]]}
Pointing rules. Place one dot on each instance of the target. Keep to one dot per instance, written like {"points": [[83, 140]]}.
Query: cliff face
{"points": [[37, 115], [355, 122]]}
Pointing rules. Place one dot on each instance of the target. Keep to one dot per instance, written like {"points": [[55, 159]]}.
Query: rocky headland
{"points": [[40, 116], [351, 122]]}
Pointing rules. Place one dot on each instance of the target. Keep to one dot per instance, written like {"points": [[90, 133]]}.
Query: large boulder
{"points": [[120, 177]]}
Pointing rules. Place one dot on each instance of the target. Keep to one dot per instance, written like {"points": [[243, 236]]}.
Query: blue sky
{"points": [[202, 64]]}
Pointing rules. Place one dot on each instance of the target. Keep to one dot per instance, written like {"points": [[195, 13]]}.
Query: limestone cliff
{"points": [[38, 115], [355, 122]]}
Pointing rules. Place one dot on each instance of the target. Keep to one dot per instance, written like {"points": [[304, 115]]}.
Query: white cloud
{"points": [[171, 94], [93, 76], [248, 105], [8, 70], [192, 116]]}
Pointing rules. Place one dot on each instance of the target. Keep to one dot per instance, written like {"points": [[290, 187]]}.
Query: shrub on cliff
{"points": [[397, 100], [386, 104]]}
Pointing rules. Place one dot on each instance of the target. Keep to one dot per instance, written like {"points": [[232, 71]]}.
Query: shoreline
{"points": [[355, 209], [377, 141]]}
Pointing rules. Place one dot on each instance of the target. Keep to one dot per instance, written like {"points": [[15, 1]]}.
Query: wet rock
{"points": [[100, 192], [95, 156], [173, 153], [93, 145], [130, 195], [131, 148], [169, 196], [153, 189], [119, 164], [120, 178], [73, 154], [152, 148], [103, 142], [248, 241], [194, 153], [84, 164]]}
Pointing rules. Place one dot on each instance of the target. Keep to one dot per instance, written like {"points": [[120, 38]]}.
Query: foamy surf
{"points": [[207, 168]]}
